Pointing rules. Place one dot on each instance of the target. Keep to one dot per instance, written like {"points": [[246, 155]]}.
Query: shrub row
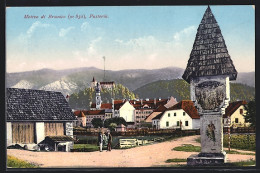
{"points": [[241, 141]]}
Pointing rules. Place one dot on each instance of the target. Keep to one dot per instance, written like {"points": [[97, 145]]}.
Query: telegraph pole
{"points": [[104, 66]]}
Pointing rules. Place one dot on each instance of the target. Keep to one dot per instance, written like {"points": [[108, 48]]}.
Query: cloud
{"points": [[84, 26], [36, 25], [64, 32], [184, 33]]}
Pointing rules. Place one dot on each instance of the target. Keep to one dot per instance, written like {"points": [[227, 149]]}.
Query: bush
{"points": [[241, 141], [14, 162]]}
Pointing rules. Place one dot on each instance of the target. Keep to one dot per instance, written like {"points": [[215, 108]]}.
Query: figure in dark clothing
{"points": [[109, 141]]}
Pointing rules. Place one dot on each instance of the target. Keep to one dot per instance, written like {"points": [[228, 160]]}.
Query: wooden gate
{"points": [[54, 129], [22, 133]]}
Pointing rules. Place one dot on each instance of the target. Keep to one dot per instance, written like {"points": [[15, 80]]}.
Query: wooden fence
{"points": [[138, 132], [239, 130]]}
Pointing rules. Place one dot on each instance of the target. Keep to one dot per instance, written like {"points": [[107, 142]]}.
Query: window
{"points": [[241, 111], [169, 114], [175, 114], [178, 123], [167, 123], [236, 120], [183, 113], [186, 123]]}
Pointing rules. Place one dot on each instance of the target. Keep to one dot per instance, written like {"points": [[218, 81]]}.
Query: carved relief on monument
{"points": [[210, 95], [210, 132]]}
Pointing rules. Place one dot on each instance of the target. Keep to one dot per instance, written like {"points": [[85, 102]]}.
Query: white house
{"points": [[182, 115], [124, 109]]}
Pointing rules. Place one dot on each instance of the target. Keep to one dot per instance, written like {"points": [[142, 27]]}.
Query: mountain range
{"points": [[69, 81]]}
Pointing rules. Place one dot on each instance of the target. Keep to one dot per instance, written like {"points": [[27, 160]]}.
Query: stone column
{"points": [[211, 97]]}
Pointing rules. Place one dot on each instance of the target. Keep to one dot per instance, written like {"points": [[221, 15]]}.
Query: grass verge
{"points": [[188, 148], [84, 148], [241, 153], [14, 162]]}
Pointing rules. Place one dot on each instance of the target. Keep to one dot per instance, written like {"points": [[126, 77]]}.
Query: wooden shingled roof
{"points": [[37, 105], [209, 55]]}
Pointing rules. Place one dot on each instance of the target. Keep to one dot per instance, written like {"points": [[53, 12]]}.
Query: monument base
{"points": [[206, 159]]}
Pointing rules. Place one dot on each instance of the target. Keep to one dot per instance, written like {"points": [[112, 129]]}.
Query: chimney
{"points": [[154, 101]]}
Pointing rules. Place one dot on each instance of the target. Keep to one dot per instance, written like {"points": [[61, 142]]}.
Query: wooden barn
{"points": [[32, 115]]}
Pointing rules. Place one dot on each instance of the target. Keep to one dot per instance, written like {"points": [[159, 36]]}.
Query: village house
{"points": [[172, 101], [124, 109], [89, 115], [134, 111], [235, 111], [33, 115], [82, 120], [143, 108], [182, 115], [156, 112]]}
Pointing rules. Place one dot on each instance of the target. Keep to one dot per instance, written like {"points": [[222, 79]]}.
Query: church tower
{"points": [[98, 96], [93, 83]]}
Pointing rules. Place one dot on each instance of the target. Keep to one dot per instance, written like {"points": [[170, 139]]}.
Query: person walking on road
{"points": [[109, 141], [100, 141]]}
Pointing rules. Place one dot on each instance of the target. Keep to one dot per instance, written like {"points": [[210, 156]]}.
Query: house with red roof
{"points": [[90, 115], [182, 115], [171, 102], [81, 118], [235, 111]]}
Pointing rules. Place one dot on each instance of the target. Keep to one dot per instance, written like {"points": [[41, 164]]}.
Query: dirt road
{"points": [[142, 156]]}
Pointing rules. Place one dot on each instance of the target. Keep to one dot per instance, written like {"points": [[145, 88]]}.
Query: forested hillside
{"points": [[180, 89], [84, 98]]}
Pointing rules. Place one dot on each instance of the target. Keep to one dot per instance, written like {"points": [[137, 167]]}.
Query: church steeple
{"points": [[98, 96], [209, 56]]}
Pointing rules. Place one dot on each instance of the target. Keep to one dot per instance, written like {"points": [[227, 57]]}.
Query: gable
{"points": [[127, 105]]}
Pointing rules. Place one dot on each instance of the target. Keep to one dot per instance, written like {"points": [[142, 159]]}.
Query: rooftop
{"points": [[209, 55], [36, 105]]}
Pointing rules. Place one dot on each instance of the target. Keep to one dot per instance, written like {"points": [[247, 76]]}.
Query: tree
{"points": [[250, 115], [116, 120], [97, 122], [112, 126]]}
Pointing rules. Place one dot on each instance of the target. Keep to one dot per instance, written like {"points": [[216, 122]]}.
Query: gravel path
{"points": [[142, 156]]}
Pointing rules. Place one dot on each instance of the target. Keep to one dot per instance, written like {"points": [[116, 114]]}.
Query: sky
{"points": [[137, 37]]}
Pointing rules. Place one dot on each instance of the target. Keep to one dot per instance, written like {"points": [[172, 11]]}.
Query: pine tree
{"points": [[250, 115]]}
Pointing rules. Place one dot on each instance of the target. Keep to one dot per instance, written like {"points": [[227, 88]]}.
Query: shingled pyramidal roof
{"points": [[209, 56]]}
